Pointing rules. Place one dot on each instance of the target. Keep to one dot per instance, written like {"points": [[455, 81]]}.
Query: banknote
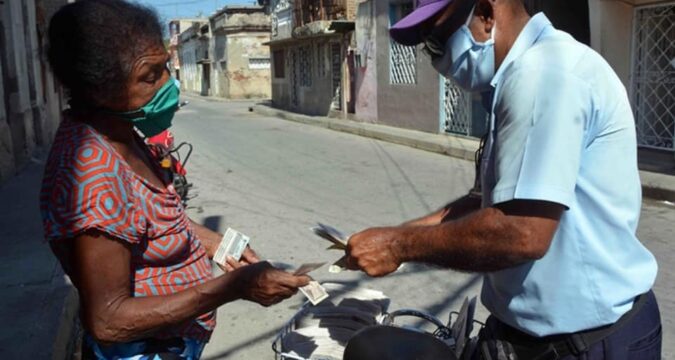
{"points": [[314, 292], [233, 244], [305, 269], [338, 239]]}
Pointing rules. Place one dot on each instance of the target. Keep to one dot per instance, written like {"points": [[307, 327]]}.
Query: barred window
{"points": [[321, 59], [258, 63], [402, 59], [305, 61]]}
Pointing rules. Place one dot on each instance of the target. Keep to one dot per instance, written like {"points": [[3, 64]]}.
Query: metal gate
{"points": [[456, 108], [336, 70], [653, 75], [294, 77]]}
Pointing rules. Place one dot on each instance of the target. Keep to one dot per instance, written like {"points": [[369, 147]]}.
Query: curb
{"points": [[66, 340], [655, 186], [455, 146]]}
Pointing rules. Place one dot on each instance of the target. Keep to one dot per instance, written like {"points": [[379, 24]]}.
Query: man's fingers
{"points": [[351, 263]]}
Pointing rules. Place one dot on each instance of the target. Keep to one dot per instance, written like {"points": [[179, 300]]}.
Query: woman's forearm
{"points": [[130, 318]]}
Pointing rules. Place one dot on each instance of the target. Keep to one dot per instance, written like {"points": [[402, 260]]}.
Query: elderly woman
{"points": [[110, 213]]}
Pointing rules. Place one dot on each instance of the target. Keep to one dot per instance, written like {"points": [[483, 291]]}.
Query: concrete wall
{"points": [[612, 34], [30, 101], [407, 106], [366, 66], [242, 80]]}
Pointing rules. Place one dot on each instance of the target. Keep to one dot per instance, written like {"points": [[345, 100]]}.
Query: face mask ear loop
{"points": [[468, 20]]}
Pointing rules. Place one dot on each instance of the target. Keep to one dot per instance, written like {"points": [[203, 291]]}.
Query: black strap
{"points": [[559, 346], [579, 343]]}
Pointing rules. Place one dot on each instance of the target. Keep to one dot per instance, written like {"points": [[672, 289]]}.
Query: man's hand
{"points": [[266, 285], [374, 251]]}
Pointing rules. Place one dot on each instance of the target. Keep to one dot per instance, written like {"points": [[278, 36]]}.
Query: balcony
{"points": [[308, 11]]}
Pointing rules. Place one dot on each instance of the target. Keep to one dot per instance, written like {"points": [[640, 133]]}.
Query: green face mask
{"points": [[155, 116]]}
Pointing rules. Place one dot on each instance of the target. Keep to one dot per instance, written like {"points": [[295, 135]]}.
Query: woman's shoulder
{"points": [[78, 148]]}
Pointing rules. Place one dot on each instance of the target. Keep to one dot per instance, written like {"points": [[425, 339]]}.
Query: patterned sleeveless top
{"points": [[87, 185]]}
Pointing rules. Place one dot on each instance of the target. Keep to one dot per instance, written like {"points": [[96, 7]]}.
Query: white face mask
{"points": [[470, 63]]}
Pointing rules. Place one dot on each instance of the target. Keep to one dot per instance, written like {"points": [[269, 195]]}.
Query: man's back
{"points": [[563, 132]]}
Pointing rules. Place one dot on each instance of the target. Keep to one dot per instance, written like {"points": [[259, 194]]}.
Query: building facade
{"points": [[30, 98], [312, 57], [176, 26], [637, 37], [193, 56], [396, 85], [240, 62]]}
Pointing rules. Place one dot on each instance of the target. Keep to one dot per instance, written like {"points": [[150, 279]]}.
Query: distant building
{"points": [[176, 26], [397, 86], [240, 62], [312, 63], [193, 55]]}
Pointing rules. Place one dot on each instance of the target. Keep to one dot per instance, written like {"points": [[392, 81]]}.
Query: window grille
{"points": [[258, 63], [653, 76], [456, 108], [336, 67], [402, 59], [294, 77], [403, 64], [321, 59], [305, 62]]}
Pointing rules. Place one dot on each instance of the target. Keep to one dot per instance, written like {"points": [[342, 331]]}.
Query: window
{"points": [[258, 63], [402, 59], [305, 60], [321, 59], [279, 64]]}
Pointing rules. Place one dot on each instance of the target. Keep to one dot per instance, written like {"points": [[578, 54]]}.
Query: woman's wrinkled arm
{"points": [[102, 274]]}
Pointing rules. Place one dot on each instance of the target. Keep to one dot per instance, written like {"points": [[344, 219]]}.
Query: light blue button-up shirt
{"points": [[562, 131]]}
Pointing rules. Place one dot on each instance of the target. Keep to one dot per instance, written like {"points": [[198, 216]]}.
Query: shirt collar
{"points": [[527, 37]]}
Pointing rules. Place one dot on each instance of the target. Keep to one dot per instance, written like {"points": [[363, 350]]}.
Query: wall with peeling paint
{"points": [[30, 101], [241, 77]]}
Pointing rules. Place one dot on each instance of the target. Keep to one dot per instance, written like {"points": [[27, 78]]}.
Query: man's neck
{"points": [[510, 20]]}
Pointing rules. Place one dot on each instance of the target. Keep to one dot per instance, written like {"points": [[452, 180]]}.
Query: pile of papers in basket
{"points": [[321, 332]]}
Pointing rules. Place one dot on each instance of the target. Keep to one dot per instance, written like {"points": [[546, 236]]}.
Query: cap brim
{"points": [[406, 31]]}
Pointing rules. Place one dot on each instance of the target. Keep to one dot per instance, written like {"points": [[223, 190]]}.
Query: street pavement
{"points": [[273, 179]]}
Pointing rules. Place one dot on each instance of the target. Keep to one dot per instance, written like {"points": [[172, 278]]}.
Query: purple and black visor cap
{"points": [[406, 31]]}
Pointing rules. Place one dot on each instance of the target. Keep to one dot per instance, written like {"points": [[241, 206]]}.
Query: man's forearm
{"points": [[485, 241]]}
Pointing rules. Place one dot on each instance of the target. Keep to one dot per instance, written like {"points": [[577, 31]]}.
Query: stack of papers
{"points": [[321, 332]]}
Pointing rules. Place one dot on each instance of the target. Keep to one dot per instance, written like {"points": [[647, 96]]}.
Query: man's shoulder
{"points": [[560, 55]]}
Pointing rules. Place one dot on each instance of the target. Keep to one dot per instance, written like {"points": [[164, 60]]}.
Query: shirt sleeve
{"points": [[541, 117], [91, 193]]}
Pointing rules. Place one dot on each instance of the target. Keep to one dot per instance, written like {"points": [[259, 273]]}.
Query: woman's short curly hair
{"points": [[92, 44]]}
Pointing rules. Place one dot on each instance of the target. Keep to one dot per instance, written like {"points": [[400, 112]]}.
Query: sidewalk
{"points": [[654, 185], [38, 307]]}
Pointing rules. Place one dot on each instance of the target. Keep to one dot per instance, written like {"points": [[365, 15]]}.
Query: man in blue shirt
{"points": [[554, 230]]}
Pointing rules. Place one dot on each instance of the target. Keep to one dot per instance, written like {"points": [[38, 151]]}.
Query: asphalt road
{"points": [[273, 179]]}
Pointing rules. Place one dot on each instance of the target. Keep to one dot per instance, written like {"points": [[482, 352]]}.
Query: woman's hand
{"points": [[266, 285], [248, 257]]}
